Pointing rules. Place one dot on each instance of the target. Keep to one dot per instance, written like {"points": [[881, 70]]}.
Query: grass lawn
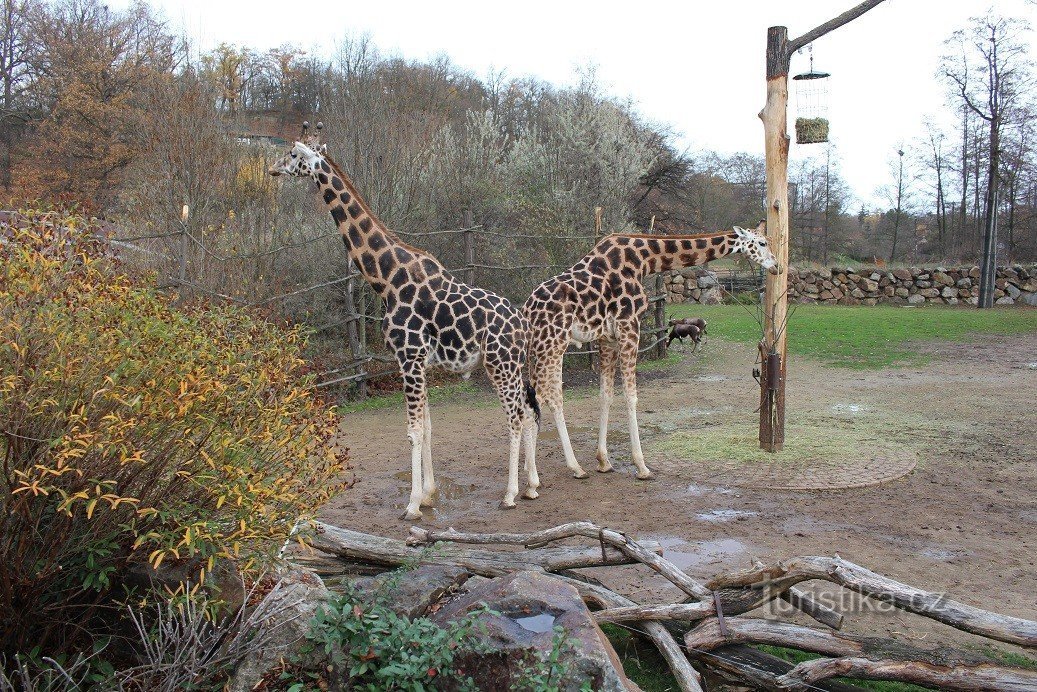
{"points": [[864, 337]]}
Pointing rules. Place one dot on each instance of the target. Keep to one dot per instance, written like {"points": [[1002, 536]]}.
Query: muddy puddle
{"points": [[690, 556]]}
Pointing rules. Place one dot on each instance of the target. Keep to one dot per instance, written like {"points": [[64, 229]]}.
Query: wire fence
{"points": [[341, 310]]}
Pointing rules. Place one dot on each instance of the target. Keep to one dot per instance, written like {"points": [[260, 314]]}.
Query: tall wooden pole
{"points": [[775, 302], [773, 350]]}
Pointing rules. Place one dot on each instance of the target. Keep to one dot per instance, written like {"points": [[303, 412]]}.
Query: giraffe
{"points": [[601, 298], [431, 319]]}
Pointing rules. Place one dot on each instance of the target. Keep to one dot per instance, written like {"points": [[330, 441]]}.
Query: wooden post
{"points": [[775, 302], [469, 247], [773, 351]]}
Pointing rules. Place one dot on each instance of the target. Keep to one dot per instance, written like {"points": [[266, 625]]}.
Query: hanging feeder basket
{"points": [[811, 130], [812, 107]]}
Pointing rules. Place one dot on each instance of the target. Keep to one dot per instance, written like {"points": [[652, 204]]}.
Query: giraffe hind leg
{"points": [[532, 478], [507, 380], [607, 355], [428, 480]]}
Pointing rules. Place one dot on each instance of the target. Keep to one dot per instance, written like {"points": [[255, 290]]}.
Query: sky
{"points": [[693, 66]]}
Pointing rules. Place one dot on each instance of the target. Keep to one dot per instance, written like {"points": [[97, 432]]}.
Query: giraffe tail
{"points": [[531, 399]]}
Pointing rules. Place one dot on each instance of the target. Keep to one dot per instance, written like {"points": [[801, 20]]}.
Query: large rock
{"points": [[1030, 299], [1004, 300], [949, 292], [707, 280], [530, 605], [411, 593], [941, 278], [712, 296], [903, 274], [901, 292], [930, 292], [870, 285], [1013, 291], [285, 614], [916, 299]]}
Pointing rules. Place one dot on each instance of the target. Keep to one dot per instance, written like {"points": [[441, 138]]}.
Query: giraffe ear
{"points": [[762, 227]]}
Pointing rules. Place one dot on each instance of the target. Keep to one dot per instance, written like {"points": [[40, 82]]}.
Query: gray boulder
{"points": [[916, 299], [411, 593], [283, 617], [529, 606]]}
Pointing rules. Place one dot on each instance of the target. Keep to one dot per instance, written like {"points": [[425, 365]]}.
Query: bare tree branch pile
{"points": [[708, 628]]}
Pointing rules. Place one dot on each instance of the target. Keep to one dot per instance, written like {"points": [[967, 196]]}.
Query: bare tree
{"points": [[990, 72], [15, 53]]}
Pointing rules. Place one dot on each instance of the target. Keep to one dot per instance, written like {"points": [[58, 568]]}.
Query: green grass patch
{"points": [[671, 359], [642, 662], [795, 657], [435, 394], [737, 441], [861, 337]]}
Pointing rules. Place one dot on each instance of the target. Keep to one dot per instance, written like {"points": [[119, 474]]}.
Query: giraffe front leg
{"points": [[428, 479], [417, 403], [608, 376], [628, 365], [532, 478]]}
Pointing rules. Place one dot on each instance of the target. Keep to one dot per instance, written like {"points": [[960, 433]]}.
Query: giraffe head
{"points": [[753, 244], [305, 156]]}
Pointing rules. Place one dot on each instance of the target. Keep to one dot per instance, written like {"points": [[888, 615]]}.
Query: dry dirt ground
{"points": [[959, 432]]}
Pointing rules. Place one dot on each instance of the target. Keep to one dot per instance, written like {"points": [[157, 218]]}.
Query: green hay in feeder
{"points": [[811, 130]]}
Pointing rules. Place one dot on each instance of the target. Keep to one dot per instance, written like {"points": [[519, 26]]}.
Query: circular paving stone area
{"points": [[815, 457]]}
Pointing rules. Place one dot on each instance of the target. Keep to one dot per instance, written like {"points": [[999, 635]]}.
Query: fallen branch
{"points": [[687, 677], [678, 611], [585, 529], [806, 604], [390, 552], [984, 676], [754, 587]]}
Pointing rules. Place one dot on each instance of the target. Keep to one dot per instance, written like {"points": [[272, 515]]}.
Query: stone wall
{"points": [[1016, 284]]}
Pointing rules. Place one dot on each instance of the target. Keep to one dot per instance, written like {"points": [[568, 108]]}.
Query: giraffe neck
{"points": [[675, 251], [376, 251]]}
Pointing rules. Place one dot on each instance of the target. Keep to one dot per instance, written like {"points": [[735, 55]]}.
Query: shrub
{"points": [[133, 430], [376, 649]]}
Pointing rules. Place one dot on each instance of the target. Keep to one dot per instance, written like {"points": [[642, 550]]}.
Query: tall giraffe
{"points": [[601, 298], [431, 319]]}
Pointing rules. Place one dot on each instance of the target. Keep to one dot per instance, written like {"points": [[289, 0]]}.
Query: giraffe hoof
{"points": [[580, 475], [411, 515], [648, 476], [530, 494], [606, 469], [504, 505]]}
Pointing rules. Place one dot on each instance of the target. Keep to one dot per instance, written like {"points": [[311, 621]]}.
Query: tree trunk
{"points": [[989, 267], [775, 304]]}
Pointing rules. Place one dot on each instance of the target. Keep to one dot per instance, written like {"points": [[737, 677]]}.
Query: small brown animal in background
{"points": [[681, 330], [697, 321]]}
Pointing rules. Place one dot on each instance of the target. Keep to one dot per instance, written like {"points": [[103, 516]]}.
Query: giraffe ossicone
{"points": [[431, 319], [601, 298]]}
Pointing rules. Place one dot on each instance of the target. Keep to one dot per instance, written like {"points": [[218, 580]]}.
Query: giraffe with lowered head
{"points": [[601, 298], [431, 319]]}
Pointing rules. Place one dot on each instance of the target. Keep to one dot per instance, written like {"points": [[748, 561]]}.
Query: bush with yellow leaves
{"points": [[134, 430]]}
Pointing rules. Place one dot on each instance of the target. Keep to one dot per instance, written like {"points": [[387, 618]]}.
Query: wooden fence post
{"points": [[354, 328], [469, 247]]}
